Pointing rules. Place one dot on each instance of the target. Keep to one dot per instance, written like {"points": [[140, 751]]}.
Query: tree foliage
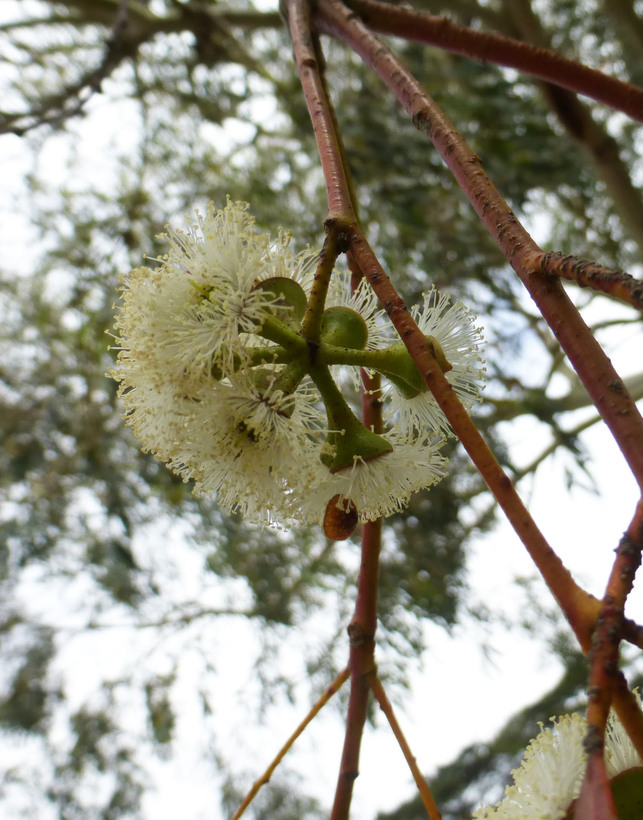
{"points": [[133, 113]]}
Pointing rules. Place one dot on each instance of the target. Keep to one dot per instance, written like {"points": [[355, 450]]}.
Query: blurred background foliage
{"points": [[133, 113]]}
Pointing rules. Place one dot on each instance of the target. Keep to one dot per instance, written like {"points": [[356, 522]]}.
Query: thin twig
{"points": [[361, 632], [595, 801], [615, 283], [419, 26], [559, 441], [425, 792], [310, 74], [595, 797], [265, 777], [311, 324], [608, 632]]}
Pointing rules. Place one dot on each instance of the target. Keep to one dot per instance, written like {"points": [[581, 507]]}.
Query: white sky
{"points": [[458, 696]]}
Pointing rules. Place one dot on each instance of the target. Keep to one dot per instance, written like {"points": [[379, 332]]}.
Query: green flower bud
{"points": [[289, 298], [344, 327], [627, 788]]}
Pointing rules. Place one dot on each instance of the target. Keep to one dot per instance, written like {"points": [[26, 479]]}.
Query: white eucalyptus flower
{"points": [[380, 486], [192, 312], [364, 302], [216, 381], [453, 327], [250, 446], [551, 773], [185, 331]]}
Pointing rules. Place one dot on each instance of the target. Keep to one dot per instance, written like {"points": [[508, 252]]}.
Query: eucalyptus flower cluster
{"points": [[220, 380], [549, 779]]}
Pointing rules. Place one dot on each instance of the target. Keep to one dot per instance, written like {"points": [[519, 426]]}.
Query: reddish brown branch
{"points": [[608, 631], [579, 608], [609, 626], [628, 708], [425, 792], [633, 633], [595, 801], [311, 323], [308, 64], [541, 63], [362, 628], [586, 274], [361, 631], [604, 674], [587, 357]]}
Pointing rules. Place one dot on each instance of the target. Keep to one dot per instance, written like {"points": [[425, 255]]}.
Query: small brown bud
{"points": [[340, 518]]}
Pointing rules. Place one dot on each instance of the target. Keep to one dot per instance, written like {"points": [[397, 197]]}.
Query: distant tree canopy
{"points": [[136, 113]]}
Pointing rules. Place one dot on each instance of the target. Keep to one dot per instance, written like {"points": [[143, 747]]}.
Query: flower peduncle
{"points": [[350, 439]]}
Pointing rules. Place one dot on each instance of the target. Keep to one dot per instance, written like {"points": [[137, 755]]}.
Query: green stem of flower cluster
{"points": [[394, 362], [276, 331], [348, 435], [311, 325], [290, 377], [349, 438]]}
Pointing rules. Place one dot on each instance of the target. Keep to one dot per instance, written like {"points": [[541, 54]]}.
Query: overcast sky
{"points": [[460, 694]]}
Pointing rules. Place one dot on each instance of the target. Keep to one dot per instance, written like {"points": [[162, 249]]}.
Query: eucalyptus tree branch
{"points": [[595, 799], [361, 632], [596, 795], [341, 215], [423, 787], [311, 324], [560, 75], [580, 608], [419, 26], [577, 605], [576, 118], [338, 189], [68, 103], [585, 354], [335, 686], [615, 283], [605, 640]]}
